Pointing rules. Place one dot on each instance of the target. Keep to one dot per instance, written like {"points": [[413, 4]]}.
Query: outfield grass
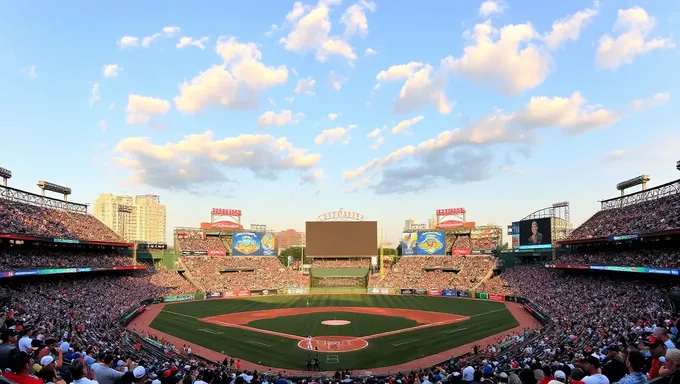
{"points": [[486, 318]]}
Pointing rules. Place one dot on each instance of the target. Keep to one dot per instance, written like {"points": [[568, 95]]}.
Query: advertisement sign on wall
{"points": [[449, 293], [263, 292], [460, 251], [378, 291], [495, 297], [178, 298], [242, 293], [421, 292], [431, 243], [434, 292], [297, 291], [409, 240], [213, 295], [246, 244], [217, 252], [406, 291]]}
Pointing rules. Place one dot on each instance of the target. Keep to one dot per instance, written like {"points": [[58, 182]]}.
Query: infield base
{"points": [[334, 344]]}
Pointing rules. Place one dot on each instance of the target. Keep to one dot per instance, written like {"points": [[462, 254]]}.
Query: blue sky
{"points": [[390, 108]]}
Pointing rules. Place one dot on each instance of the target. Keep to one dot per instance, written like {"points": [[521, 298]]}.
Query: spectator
{"points": [[635, 362], [21, 368]]}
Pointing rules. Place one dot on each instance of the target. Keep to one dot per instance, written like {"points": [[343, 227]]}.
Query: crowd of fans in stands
{"points": [[644, 217], [342, 263], [624, 256], [17, 257], [200, 244], [425, 272], [242, 273], [340, 282], [30, 220]]}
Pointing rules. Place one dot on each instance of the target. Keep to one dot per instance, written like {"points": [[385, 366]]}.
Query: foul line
{"points": [[405, 342], [210, 331], [257, 343], [454, 330]]}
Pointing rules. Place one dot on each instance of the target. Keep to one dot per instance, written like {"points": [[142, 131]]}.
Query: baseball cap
{"points": [[46, 360], [560, 375], [653, 342], [139, 372], [614, 348], [594, 361]]}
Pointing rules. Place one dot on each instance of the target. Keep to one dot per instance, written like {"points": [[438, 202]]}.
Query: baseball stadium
{"points": [[450, 302]]}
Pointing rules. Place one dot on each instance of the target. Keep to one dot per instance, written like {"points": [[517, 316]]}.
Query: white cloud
{"points": [[310, 29], [524, 64], [112, 70], [289, 100], [305, 86], [133, 41], [404, 125], [374, 133], [334, 135], [459, 146], [271, 30], [332, 116], [237, 83], [271, 118], [102, 125], [370, 52], [128, 42], [423, 86], [187, 41], [354, 18], [336, 81], [569, 28], [377, 143], [201, 160], [140, 109], [658, 100], [94, 94], [30, 71], [635, 26], [490, 7]]}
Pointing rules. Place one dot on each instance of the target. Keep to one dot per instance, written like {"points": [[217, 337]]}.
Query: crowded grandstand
{"points": [[600, 325]]}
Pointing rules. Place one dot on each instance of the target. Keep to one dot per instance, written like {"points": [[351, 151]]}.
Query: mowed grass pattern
{"points": [[360, 324], [181, 320]]}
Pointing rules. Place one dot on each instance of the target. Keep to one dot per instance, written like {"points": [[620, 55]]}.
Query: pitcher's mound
{"points": [[334, 344], [335, 322]]}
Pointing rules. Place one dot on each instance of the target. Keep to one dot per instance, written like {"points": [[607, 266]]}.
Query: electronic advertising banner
{"points": [[246, 244], [268, 242], [409, 240], [535, 234], [431, 243], [217, 252], [263, 292]]}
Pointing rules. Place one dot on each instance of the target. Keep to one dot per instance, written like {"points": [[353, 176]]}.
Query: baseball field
{"points": [[344, 331]]}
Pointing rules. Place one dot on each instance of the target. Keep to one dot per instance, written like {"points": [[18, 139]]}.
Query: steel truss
{"points": [[18, 195], [668, 189]]}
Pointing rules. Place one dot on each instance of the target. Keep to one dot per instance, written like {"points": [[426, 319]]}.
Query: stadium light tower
{"points": [[56, 188], [677, 166], [640, 180], [6, 174]]}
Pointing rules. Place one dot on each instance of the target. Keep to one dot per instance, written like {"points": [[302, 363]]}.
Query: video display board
{"points": [[535, 233], [423, 243], [341, 238], [254, 244]]}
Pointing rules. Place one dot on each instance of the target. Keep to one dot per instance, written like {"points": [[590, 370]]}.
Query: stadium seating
{"points": [[29, 220], [644, 217], [50, 257], [624, 256], [410, 272], [260, 272], [198, 244]]}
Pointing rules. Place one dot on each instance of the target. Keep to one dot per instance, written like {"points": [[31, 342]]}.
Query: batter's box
{"points": [[332, 359]]}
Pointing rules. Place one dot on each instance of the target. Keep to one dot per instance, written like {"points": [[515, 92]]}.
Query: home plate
{"points": [[334, 344], [335, 322]]}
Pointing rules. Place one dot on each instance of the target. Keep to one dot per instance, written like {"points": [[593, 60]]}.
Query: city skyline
{"points": [[499, 107]]}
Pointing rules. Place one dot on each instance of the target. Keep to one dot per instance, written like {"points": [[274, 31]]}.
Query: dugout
{"points": [[338, 280]]}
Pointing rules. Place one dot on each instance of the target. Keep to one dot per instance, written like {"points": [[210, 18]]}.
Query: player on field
{"points": [[308, 302], [309, 341]]}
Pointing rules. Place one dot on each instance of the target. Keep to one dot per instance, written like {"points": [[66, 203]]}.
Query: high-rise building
{"points": [[431, 223], [409, 223], [142, 218], [291, 238]]}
